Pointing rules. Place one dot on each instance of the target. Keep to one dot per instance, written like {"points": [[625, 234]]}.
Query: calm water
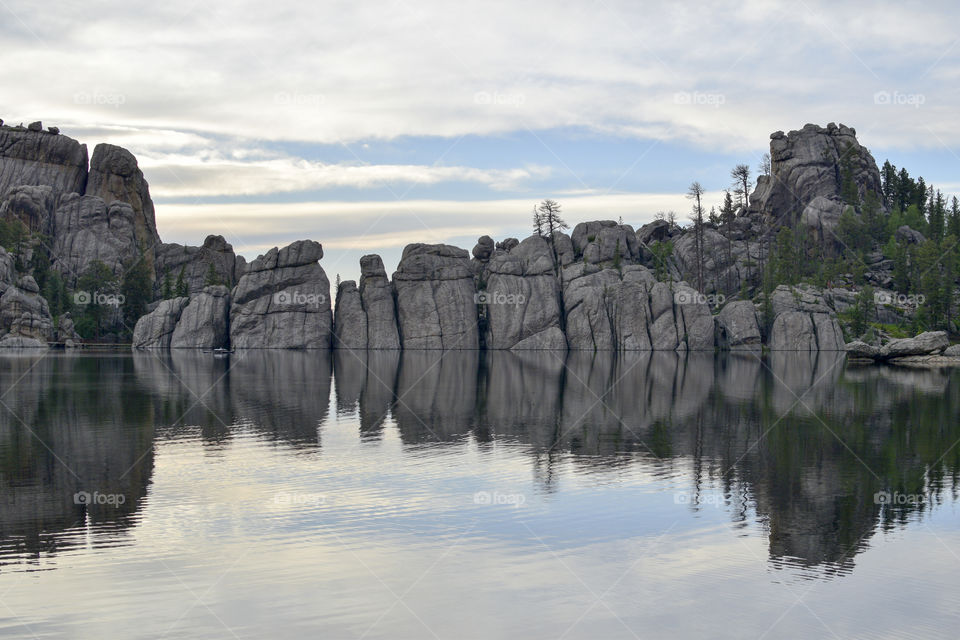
{"points": [[292, 495]]}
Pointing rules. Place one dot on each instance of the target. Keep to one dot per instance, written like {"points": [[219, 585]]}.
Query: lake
{"points": [[468, 495]]}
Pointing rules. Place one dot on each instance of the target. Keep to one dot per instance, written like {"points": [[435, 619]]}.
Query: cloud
{"points": [[180, 175], [341, 72]]}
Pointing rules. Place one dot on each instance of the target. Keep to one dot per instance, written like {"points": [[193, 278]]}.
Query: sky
{"points": [[368, 126]]}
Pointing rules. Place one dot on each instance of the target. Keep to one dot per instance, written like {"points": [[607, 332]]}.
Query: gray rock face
{"points": [[738, 328], [599, 242], [952, 351], [24, 313], [8, 270], [155, 330], [803, 321], [36, 158], [195, 263], [282, 301], [350, 322], [927, 343], [821, 216], [726, 264], [521, 302], [203, 323], [31, 205], [379, 307], [632, 312], [115, 175], [86, 229], [804, 166], [436, 305]]}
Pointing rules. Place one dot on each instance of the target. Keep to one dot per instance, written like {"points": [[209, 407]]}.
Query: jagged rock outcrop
{"points": [[24, 312], [195, 263], [521, 301], [87, 229], [738, 328], [727, 264], [810, 164], [605, 242], [906, 235], [204, 322], [282, 301], [379, 306], [803, 321], [350, 322], [628, 310], [39, 158], [115, 175], [155, 329], [436, 304]]}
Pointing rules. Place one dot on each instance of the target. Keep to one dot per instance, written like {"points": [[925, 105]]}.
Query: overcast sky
{"points": [[369, 125]]}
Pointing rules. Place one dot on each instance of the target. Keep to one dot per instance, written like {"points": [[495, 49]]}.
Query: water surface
{"points": [[462, 495]]}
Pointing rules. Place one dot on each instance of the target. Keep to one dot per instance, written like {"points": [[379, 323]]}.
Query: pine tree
{"points": [[166, 292], [182, 288], [212, 277], [695, 193]]}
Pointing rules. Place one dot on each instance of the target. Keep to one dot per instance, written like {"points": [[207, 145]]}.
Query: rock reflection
{"points": [[803, 443]]}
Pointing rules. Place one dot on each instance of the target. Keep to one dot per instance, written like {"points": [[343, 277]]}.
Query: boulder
{"points": [[927, 343], [282, 301], [436, 303], [952, 351], [656, 231], [155, 329], [204, 322], [24, 313], [793, 331], [484, 248], [521, 301], [350, 321], [605, 242], [379, 307], [34, 158], [738, 328], [35, 126], [861, 350], [8, 270], [906, 235]]}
